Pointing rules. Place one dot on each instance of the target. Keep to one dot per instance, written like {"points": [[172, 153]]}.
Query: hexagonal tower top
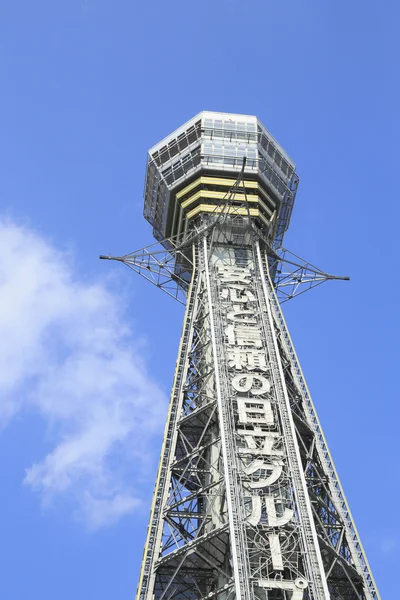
{"points": [[191, 170]]}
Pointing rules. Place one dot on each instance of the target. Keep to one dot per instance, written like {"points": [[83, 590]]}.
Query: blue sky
{"points": [[88, 348]]}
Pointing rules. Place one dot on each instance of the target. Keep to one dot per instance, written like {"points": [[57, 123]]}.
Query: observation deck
{"points": [[190, 172]]}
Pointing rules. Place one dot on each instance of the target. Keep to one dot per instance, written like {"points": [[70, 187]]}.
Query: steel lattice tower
{"points": [[247, 503]]}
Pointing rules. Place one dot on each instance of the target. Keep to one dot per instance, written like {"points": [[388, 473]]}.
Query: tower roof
{"points": [[227, 120], [217, 143]]}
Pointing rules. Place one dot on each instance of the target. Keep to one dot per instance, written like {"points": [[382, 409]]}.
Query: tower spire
{"points": [[247, 502]]}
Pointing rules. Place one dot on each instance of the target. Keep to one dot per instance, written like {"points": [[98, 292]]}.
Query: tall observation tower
{"points": [[247, 503]]}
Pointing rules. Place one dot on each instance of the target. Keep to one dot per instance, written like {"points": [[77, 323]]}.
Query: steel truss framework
{"points": [[168, 266], [247, 502], [292, 275], [245, 506]]}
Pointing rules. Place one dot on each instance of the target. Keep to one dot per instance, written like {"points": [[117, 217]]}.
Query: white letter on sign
{"points": [[276, 553], [237, 293], [265, 447], [234, 275], [247, 359], [254, 411], [296, 587], [273, 519], [242, 316], [248, 383], [259, 468], [244, 335]]}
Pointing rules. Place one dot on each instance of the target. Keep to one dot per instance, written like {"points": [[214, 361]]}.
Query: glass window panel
{"points": [[178, 172], [175, 164], [164, 154], [264, 142], [192, 136], [271, 150], [182, 141], [173, 148]]}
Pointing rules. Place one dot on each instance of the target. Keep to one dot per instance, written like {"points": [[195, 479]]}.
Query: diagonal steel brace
{"points": [[169, 270], [293, 275]]}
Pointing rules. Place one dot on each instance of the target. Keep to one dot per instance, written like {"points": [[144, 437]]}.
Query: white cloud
{"points": [[68, 353]]}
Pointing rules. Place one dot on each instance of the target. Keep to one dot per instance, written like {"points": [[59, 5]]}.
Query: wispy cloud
{"points": [[68, 353]]}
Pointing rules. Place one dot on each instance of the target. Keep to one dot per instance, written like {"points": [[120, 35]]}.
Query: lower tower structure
{"points": [[247, 503]]}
